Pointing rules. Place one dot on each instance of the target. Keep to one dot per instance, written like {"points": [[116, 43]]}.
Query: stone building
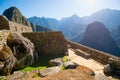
{"points": [[5, 24]]}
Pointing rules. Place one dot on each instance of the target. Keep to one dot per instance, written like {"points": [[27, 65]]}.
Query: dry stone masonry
{"points": [[5, 24], [48, 43], [3, 38]]}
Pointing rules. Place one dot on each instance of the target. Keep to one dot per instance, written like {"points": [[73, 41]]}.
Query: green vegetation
{"points": [[32, 68], [3, 78], [63, 68], [65, 58]]}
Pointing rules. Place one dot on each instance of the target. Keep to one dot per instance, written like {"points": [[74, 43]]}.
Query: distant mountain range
{"points": [[110, 18], [70, 27], [50, 23]]}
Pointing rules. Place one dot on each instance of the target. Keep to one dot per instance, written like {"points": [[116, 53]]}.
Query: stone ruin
{"points": [[48, 43], [17, 43], [5, 24]]}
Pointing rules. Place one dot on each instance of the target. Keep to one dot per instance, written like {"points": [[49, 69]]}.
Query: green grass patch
{"points": [[63, 68], [65, 58], [33, 68], [3, 78]]}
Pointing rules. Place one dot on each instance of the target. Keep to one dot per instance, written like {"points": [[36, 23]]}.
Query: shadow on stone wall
{"points": [[48, 43]]}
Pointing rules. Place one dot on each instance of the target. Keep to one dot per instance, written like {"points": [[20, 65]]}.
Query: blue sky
{"points": [[59, 8]]}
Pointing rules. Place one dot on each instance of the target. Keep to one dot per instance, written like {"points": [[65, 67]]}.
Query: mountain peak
{"points": [[13, 14], [11, 11], [107, 11], [13, 7], [98, 36], [75, 16], [96, 25]]}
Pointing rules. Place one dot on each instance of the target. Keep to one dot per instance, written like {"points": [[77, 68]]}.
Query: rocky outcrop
{"points": [[15, 76], [56, 62], [55, 73], [108, 70], [49, 71], [85, 70], [70, 65], [98, 36], [113, 68], [15, 52], [70, 74], [22, 49], [48, 43], [7, 60], [101, 77]]}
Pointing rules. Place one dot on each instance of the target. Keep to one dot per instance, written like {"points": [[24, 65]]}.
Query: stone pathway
{"points": [[90, 63]]}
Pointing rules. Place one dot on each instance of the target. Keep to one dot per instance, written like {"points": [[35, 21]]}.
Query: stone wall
{"points": [[5, 24], [99, 56], [48, 43], [3, 38], [15, 27]]}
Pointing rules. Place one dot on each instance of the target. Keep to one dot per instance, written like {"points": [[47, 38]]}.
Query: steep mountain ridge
{"points": [[13, 14], [98, 36]]}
